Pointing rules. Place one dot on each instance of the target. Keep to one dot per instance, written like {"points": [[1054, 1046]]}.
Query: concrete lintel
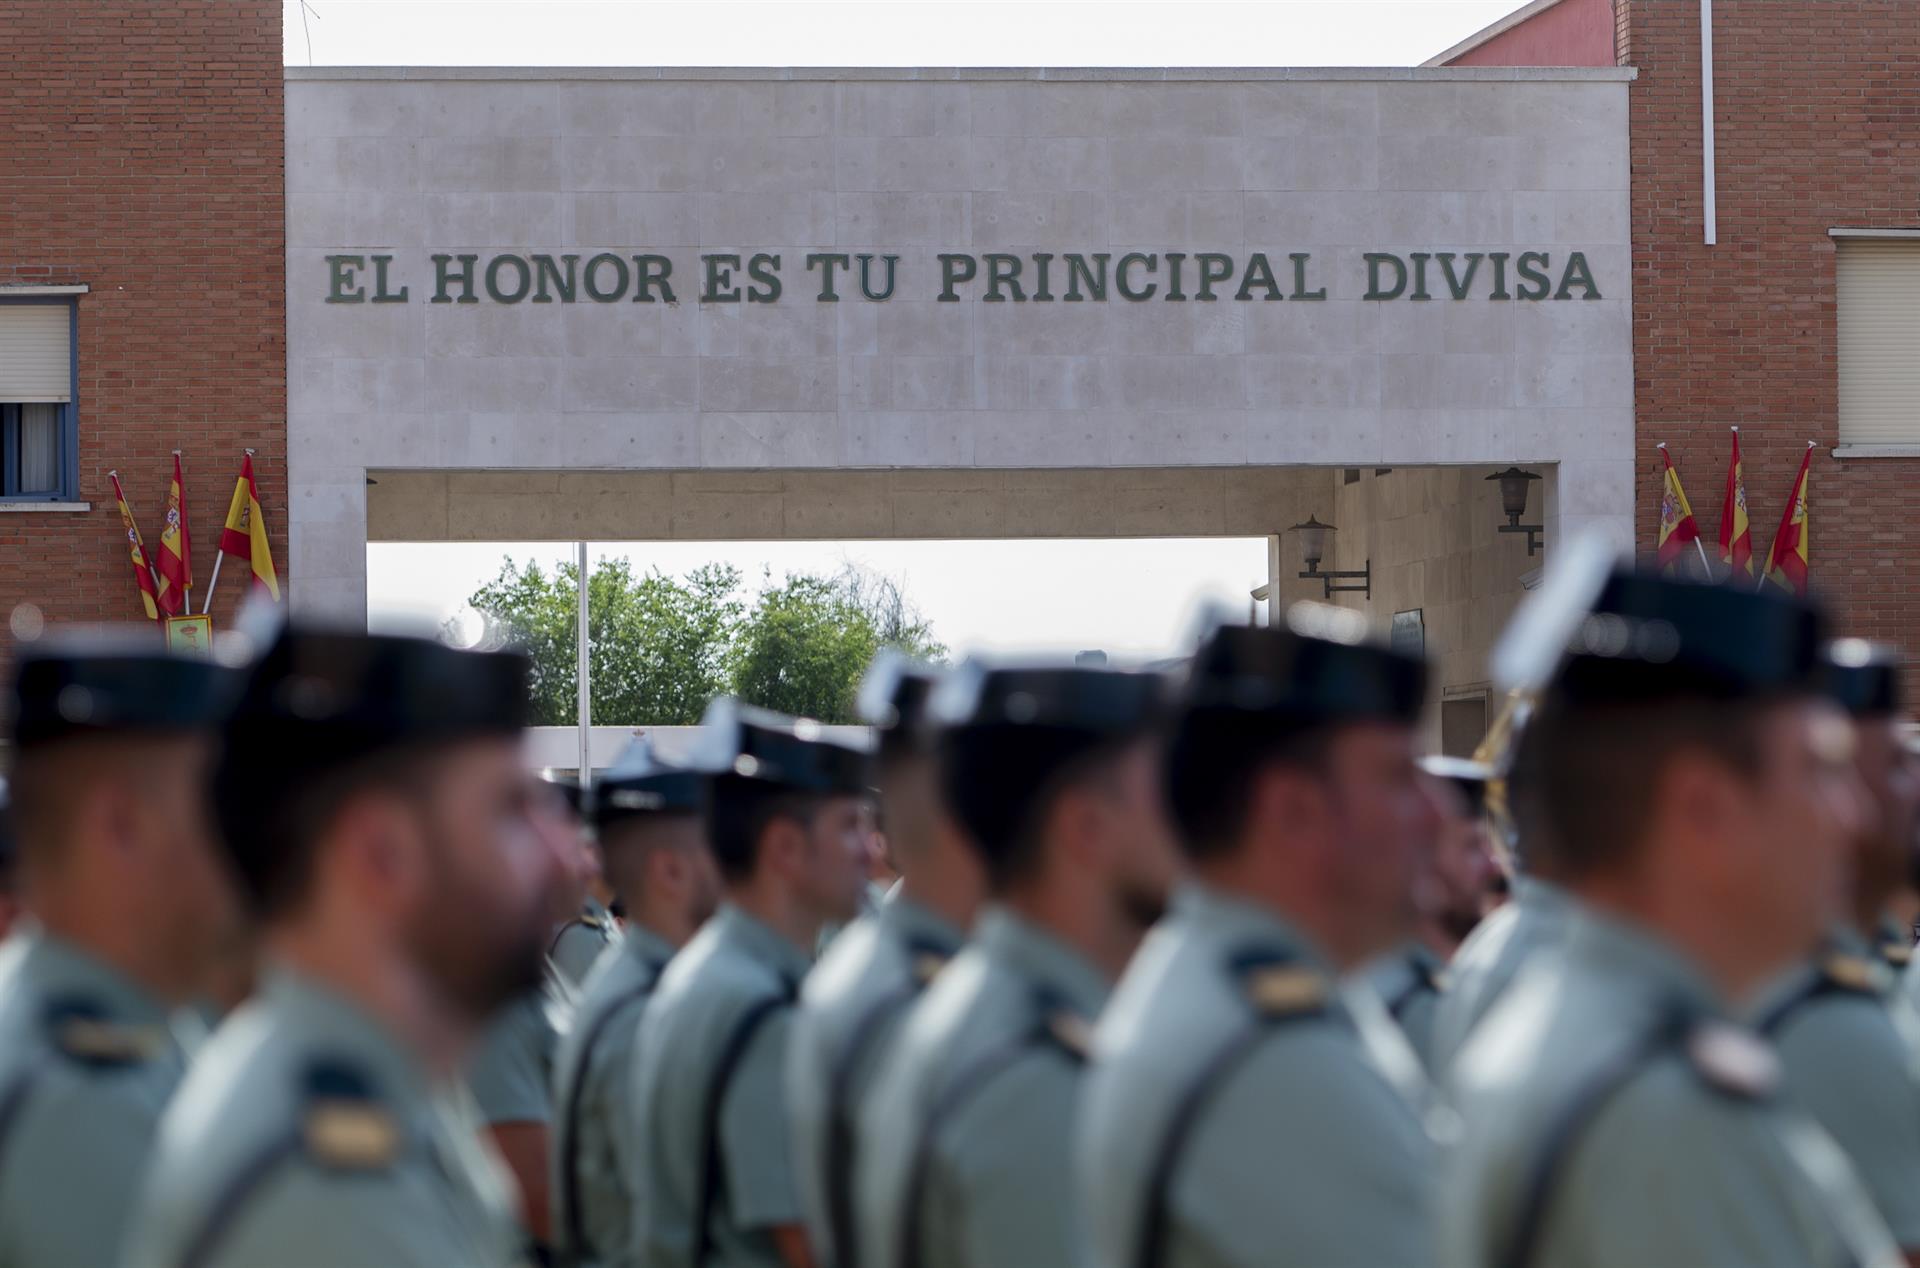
{"points": [[987, 74]]}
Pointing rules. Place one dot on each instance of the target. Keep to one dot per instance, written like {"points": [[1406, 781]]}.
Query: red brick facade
{"points": [[142, 153], [1816, 126]]}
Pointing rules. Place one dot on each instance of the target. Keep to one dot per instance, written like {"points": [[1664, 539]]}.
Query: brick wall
{"points": [[142, 153], [1816, 126]]}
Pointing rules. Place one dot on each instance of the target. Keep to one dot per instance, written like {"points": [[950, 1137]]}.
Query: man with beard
{"points": [[1451, 885], [589, 928], [705, 1145], [651, 821], [1699, 792], [511, 1073], [375, 812], [964, 1144], [130, 905], [854, 999], [1241, 1105], [1850, 1045]]}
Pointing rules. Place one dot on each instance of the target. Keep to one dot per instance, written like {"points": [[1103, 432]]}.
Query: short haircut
{"points": [[1021, 847], [274, 841], [1212, 766], [51, 782], [1585, 776], [739, 813]]}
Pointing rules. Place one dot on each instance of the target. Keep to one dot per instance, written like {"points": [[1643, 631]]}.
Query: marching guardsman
{"points": [[1688, 776], [965, 1142], [650, 818], [374, 808], [1241, 1104], [9, 869], [706, 1144], [1452, 884], [856, 996], [130, 902], [1849, 1044], [512, 1068], [590, 929]]}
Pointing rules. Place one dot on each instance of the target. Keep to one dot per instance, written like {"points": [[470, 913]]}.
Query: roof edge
{"points": [[1490, 31], [1039, 74]]}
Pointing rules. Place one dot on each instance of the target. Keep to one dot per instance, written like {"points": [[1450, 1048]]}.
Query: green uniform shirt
{"points": [[591, 1078], [86, 1066], [1491, 957], [708, 1085], [964, 1143], [1243, 1111], [1851, 1050], [850, 1010], [1614, 1120], [579, 944], [511, 1072], [307, 1136], [1411, 982]]}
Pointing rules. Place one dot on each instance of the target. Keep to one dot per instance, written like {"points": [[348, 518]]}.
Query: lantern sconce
{"points": [[1313, 548], [1515, 485]]}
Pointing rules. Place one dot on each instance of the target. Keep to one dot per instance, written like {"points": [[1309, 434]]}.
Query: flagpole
{"points": [[186, 592], [1703, 558], [219, 554], [1797, 490]]}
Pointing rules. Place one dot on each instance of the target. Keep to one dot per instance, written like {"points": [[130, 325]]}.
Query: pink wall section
{"points": [[1571, 33]]}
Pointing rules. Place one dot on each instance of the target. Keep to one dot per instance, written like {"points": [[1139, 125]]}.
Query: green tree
{"points": [[658, 645], [805, 644]]}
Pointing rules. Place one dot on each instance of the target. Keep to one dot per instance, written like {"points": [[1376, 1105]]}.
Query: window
{"points": [[39, 420], [1879, 330]]}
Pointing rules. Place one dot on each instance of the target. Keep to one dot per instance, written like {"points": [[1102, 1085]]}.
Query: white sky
{"points": [[1137, 598], [883, 33]]}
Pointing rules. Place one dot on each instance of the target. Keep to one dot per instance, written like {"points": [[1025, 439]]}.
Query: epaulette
{"points": [[1897, 954], [1851, 973], [83, 1032], [1733, 1060], [1070, 1032], [1279, 987], [343, 1122]]}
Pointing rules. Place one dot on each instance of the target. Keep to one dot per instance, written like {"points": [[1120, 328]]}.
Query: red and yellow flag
{"points": [[142, 572], [1677, 525], [1787, 560], [175, 557], [245, 533], [1736, 538]]}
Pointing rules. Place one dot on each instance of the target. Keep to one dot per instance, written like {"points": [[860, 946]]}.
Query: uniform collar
{"points": [[919, 926], [1237, 920], [646, 946], [1052, 965], [342, 1029], [1541, 895], [595, 913], [734, 925], [58, 968], [1633, 952]]}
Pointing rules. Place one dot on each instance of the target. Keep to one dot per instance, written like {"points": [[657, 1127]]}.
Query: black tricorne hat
{"points": [[739, 741], [1465, 774], [571, 790], [103, 680], [1009, 731], [639, 783], [1600, 632], [893, 700], [1861, 677], [1318, 669]]}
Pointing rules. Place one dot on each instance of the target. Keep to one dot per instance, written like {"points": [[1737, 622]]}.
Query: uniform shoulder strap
{"points": [[925, 963], [1837, 973], [712, 1173], [1277, 988], [568, 1142], [1564, 1130], [343, 1127], [1054, 1028], [85, 1034]]}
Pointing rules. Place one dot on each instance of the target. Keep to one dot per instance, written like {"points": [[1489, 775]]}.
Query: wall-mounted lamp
{"points": [[1514, 487], [1313, 548]]}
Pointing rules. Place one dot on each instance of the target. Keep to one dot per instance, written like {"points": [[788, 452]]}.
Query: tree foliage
{"points": [[662, 647]]}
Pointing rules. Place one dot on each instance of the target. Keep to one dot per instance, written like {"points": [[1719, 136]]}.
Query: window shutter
{"points": [[36, 359], [1879, 329]]}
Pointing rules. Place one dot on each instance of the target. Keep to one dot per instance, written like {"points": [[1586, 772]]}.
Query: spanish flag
{"points": [[1736, 538], [1787, 561], [175, 562], [1677, 525], [245, 533], [142, 571]]}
